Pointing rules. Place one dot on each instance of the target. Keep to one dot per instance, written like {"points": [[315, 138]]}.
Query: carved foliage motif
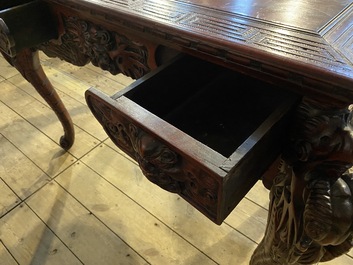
{"points": [[85, 42], [160, 164], [311, 208]]}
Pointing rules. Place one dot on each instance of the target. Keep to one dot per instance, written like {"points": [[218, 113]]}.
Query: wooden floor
{"points": [[92, 205]]}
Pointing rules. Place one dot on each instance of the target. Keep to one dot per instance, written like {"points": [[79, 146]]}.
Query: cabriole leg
{"points": [[28, 64]]}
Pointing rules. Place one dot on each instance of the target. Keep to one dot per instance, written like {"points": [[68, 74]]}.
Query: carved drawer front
{"points": [[198, 130]]}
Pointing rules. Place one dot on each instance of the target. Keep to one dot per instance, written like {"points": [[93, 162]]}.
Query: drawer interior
{"points": [[198, 129], [214, 105]]}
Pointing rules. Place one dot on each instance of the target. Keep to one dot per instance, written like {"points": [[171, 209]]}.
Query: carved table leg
{"points": [[311, 203], [28, 64]]}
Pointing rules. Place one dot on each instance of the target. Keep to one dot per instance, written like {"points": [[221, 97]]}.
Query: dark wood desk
{"points": [[301, 46]]}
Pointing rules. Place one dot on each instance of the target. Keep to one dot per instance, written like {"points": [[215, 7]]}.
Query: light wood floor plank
{"points": [[31, 242], [170, 209], [91, 76], [152, 239], [42, 116], [19, 173], [5, 256], [6, 70], [90, 240], [44, 152], [8, 198], [78, 109], [248, 218]]}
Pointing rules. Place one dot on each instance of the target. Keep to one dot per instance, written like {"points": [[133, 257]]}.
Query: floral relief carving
{"points": [[85, 42]]}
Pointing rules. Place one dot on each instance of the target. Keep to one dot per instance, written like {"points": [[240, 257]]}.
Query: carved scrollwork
{"points": [[199, 185], [85, 42], [311, 208]]}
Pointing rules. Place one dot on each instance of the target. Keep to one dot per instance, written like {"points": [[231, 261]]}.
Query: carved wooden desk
{"points": [[300, 46]]}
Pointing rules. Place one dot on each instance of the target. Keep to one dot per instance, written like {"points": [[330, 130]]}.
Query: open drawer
{"points": [[198, 129]]}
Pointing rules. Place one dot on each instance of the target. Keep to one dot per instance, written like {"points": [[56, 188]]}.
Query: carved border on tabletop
{"points": [[85, 42], [346, 42], [160, 164], [311, 207], [340, 33], [225, 26]]}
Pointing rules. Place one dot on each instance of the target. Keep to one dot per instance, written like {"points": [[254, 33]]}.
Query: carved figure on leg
{"points": [[311, 203]]}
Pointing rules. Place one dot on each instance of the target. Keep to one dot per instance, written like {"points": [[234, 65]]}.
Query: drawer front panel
{"points": [[165, 165]]}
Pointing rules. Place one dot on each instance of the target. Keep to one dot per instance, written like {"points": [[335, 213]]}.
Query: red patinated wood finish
{"points": [[304, 46]]}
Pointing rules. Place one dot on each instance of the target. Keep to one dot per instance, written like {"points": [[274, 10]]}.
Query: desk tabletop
{"points": [[303, 43]]}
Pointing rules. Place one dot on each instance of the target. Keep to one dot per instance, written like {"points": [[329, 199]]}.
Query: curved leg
{"points": [[311, 203], [28, 64]]}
